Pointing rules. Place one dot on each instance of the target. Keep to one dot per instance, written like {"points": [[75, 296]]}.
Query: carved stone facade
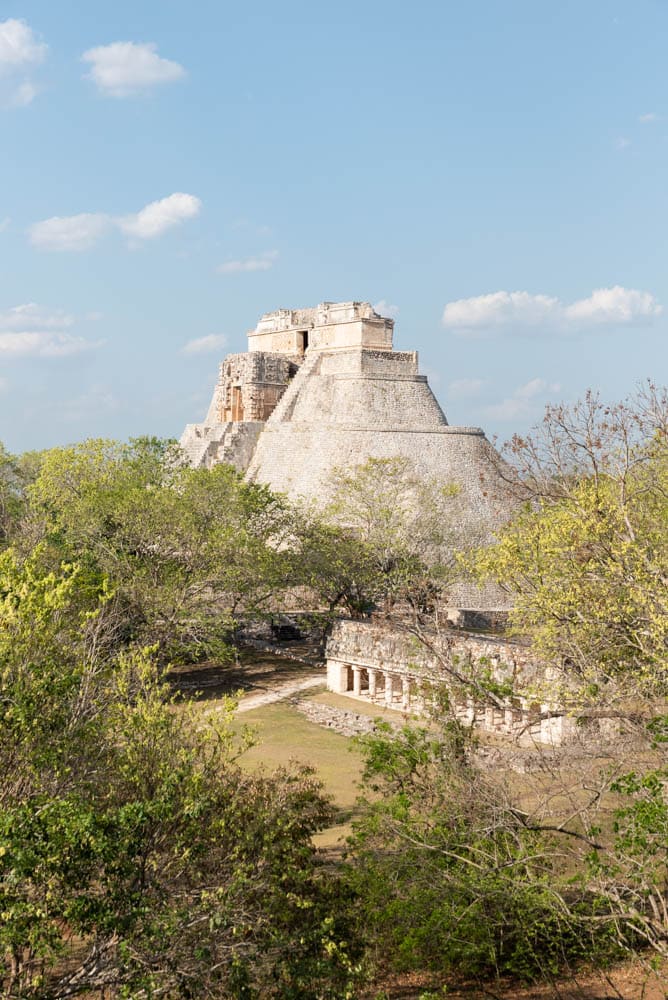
{"points": [[249, 387]]}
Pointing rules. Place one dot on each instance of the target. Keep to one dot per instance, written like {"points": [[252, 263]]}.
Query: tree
{"points": [[587, 559], [578, 850], [14, 473], [386, 538], [185, 550], [452, 876], [586, 562], [135, 854]]}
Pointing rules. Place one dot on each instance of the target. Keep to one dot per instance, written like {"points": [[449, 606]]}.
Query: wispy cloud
{"points": [[622, 142], [205, 345], [20, 53], [465, 388], [92, 402], [83, 231], [123, 69], [264, 262], [384, 308], [5, 224], [648, 118], [43, 345], [525, 401], [521, 312], [30, 316], [32, 331], [70, 232]]}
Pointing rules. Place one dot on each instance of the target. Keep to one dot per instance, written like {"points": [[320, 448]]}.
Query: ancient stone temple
{"points": [[323, 389]]}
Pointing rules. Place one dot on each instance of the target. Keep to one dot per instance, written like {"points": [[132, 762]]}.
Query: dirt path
{"points": [[280, 691]]}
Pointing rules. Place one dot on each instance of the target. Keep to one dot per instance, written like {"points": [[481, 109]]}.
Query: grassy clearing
{"points": [[284, 735]]}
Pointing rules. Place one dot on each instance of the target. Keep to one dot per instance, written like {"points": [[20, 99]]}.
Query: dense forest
{"points": [[139, 858]]}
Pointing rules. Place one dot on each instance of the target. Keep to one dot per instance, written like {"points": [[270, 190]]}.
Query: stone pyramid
{"points": [[323, 389]]}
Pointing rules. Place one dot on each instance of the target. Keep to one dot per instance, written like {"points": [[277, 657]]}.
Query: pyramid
{"points": [[323, 389]]}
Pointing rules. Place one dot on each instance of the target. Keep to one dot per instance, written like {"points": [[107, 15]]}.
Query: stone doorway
{"points": [[237, 404]]}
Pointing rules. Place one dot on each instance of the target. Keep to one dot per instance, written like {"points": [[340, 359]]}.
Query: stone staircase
{"points": [[232, 443], [237, 444], [197, 440], [286, 404]]}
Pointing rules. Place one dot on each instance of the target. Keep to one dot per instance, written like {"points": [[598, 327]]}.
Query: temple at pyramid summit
{"points": [[323, 389]]}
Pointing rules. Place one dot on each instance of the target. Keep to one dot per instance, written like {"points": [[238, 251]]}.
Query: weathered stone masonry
{"points": [[396, 670], [323, 389]]}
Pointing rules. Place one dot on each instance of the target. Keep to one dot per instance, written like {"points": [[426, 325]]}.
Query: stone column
{"points": [[420, 705], [337, 676], [372, 684], [357, 680], [405, 693], [388, 688]]}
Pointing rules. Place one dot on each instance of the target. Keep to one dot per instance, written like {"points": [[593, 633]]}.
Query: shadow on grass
{"points": [[254, 671]]}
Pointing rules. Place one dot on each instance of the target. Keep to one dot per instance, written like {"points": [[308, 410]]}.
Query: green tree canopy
{"points": [[586, 561], [185, 550]]}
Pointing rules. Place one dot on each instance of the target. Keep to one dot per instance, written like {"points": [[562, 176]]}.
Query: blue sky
{"points": [[493, 173]]}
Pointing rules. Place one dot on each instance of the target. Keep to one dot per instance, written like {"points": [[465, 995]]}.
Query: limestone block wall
{"points": [[368, 362], [298, 458]]}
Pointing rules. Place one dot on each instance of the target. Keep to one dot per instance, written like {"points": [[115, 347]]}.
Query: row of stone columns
{"points": [[389, 682]]}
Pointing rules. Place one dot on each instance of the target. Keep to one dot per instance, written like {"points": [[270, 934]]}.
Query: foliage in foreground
{"points": [[134, 852], [450, 877]]}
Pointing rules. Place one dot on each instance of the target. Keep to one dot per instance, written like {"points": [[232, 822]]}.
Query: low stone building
{"points": [[394, 669]]}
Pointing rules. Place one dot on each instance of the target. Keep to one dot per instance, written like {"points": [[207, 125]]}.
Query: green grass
{"points": [[282, 734]]}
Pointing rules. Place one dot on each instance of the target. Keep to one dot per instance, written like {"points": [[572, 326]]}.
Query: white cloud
{"points": [[20, 52], [616, 306], [125, 68], [33, 317], [521, 312], [384, 308], [464, 388], [531, 388], [159, 216], [19, 49], [262, 263], [94, 401], [21, 96], [205, 345], [32, 331], [81, 232], [70, 232], [622, 142], [5, 224], [43, 345], [650, 116], [523, 402], [498, 309]]}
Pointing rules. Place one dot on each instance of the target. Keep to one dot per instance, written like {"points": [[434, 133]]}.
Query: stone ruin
{"points": [[383, 666], [323, 389]]}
